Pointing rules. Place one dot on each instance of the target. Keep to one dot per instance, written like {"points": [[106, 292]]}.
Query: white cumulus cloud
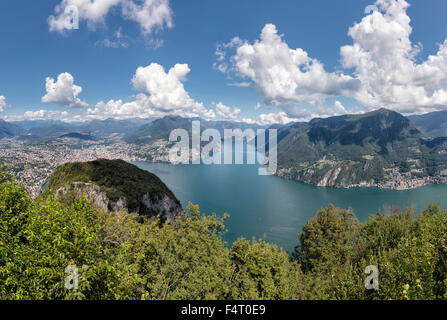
{"points": [[382, 68], [45, 115], [161, 93], [271, 118], [63, 92], [320, 111], [227, 113], [151, 15], [384, 60], [337, 109], [40, 115], [2, 103], [283, 75]]}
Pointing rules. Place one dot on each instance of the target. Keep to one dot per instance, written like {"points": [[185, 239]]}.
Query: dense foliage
{"points": [[120, 258]]}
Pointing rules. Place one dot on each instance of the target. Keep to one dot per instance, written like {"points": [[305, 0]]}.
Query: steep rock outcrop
{"points": [[116, 186]]}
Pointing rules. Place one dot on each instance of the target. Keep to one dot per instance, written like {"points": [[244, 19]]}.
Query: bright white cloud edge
{"points": [[382, 56], [151, 15]]}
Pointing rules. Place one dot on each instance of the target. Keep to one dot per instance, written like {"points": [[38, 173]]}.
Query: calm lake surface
{"points": [[272, 206]]}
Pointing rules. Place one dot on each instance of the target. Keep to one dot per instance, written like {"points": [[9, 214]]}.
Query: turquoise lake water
{"points": [[272, 206]]}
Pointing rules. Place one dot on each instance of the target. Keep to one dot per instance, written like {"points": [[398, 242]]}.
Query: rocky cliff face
{"points": [[157, 205], [115, 185], [166, 207]]}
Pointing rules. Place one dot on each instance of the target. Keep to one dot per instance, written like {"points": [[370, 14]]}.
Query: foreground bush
{"points": [[120, 258]]}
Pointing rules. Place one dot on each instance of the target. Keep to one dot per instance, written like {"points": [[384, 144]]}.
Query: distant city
{"points": [[406, 153], [33, 163]]}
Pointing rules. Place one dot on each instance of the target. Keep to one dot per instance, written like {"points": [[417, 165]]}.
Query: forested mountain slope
{"points": [[381, 148]]}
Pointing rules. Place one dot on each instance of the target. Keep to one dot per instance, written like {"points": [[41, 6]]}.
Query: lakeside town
{"points": [[33, 162]]}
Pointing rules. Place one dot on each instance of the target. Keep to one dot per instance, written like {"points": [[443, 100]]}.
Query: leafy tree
{"points": [[125, 256], [263, 271]]}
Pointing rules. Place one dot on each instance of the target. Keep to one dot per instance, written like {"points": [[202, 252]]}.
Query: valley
{"points": [[380, 149]]}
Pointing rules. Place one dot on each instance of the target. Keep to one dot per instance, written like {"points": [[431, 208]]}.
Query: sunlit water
{"points": [[272, 206]]}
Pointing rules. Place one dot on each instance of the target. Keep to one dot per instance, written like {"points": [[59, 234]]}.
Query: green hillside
{"points": [[118, 258], [380, 147]]}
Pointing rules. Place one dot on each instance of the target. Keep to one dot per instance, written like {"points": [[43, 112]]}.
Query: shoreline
{"points": [[420, 184]]}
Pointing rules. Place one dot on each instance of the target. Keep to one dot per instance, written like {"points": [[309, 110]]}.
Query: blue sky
{"points": [[30, 53]]}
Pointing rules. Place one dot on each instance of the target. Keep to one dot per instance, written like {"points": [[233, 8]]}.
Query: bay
{"points": [[272, 206]]}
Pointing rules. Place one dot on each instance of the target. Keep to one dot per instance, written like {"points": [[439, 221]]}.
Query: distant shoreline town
{"points": [[33, 163], [382, 148]]}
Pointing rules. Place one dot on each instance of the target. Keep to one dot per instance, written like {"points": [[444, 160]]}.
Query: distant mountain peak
{"points": [[433, 124], [9, 130], [353, 149]]}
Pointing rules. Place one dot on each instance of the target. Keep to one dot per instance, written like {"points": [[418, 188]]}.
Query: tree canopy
{"points": [[118, 256]]}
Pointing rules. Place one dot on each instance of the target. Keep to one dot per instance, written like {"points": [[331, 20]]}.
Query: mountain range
{"points": [[51, 129], [9, 130], [433, 124], [160, 129], [381, 148]]}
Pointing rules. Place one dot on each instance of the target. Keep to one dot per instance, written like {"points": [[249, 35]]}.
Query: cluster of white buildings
{"points": [[33, 163]]}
